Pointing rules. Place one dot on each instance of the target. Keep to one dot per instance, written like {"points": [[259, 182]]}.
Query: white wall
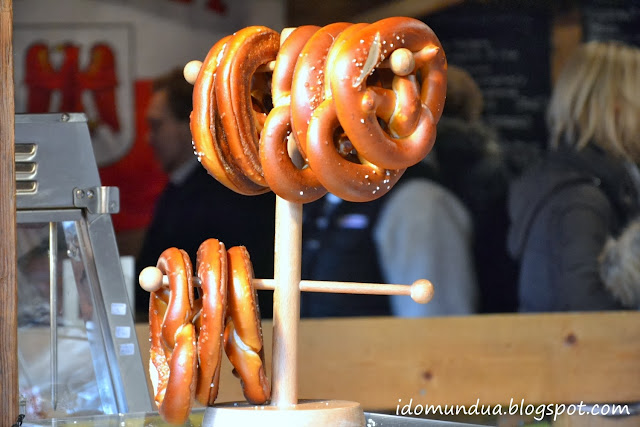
{"points": [[161, 41]]}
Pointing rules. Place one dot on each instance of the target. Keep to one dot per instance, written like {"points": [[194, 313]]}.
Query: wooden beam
{"points": [[8, 284], [544, 358], [412, 8]]}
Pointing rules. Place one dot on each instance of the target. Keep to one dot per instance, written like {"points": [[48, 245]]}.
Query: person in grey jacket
{"points": [[563, 210]]}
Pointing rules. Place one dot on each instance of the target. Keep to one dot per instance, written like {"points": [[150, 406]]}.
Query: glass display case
{"points": [[78, 352]]}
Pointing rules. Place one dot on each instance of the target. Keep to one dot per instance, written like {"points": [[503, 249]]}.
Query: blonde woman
{"points": [[563, 211]]}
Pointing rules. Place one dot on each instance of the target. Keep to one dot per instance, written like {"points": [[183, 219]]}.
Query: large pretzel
{"points": [[172, 363], [307, 88], [248, 49], [211, 267], [286, 179], [359, 107], [243, 333], [329, 150], [209, 139]]}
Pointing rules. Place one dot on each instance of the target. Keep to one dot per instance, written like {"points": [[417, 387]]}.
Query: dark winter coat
{"points": [[338, 246], [562, 212]]}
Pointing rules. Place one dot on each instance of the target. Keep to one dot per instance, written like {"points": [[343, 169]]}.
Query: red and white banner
{"points": [[79, 68], [99, 58]]}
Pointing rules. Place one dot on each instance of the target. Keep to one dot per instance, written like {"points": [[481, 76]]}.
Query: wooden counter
{"points": [[539, 358]]}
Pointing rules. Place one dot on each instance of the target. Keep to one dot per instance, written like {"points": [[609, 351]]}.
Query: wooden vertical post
{"points": [[8, 284], [286, 297], [286, 303]]}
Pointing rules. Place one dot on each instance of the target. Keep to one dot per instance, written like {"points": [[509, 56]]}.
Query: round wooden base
{"points": [[308, 413]]}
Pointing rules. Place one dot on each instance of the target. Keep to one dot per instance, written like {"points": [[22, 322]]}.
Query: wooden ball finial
{"points": [[422, 291], [285, 33], [402, 61], [150, 279], [191, 70]]}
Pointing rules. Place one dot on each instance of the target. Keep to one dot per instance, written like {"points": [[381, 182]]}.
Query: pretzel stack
{"points": [[344, 108], [188, 332]]}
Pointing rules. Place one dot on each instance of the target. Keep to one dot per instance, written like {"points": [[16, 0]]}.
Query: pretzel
{"points": [[211, 267], [172, 363], [349, 180], [290, 50], [287, 180], [209, 140], [342, 172], [358, 106], [245, 52], [243, 333], [307, 87]]}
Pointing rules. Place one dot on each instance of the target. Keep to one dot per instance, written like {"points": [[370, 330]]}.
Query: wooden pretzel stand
{"points": [[285, 408]]}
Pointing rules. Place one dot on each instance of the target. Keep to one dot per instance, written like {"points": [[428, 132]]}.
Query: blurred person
{"points": [[447, 222], [424, 227], [194, 206], [586, 188], [338, 245]]}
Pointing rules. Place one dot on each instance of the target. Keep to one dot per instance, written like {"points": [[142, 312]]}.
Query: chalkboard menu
{"points": [[507, 51], [611, 20]]}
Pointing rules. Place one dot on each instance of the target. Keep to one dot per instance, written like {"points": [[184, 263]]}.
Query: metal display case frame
{"points": [[57, 181]]}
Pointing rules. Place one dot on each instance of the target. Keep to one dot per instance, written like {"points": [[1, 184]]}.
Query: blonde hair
{"points": [[597, 99]]}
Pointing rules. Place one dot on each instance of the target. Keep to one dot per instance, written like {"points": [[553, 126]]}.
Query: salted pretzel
{"points": [[329, 151], [209, 139], [243, 332], [247, 49], [211, 268], [350, 180], [173, 361], [411, 120], [307, 87], [286, 179]]}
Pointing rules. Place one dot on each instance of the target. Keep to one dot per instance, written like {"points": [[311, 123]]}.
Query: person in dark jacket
{"points": [[194, 206], [584, 191], [338, 246]]}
